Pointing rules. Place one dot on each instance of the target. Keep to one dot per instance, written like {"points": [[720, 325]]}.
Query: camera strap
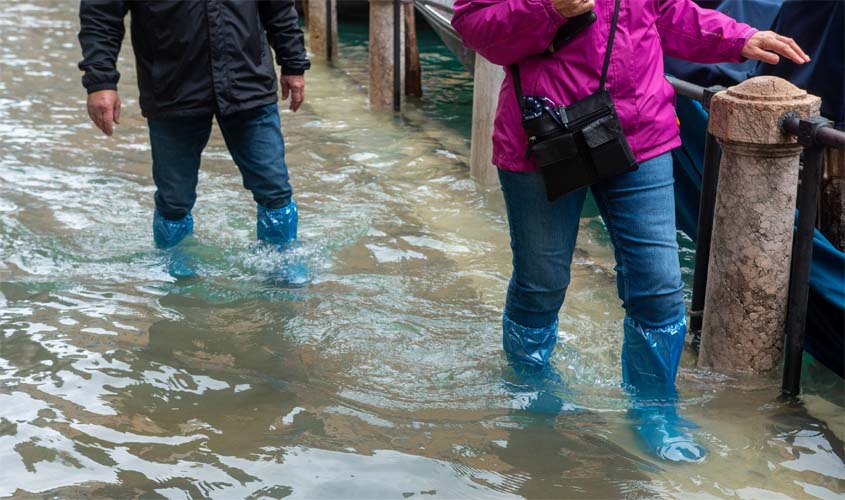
{"points": [[517, 82]]}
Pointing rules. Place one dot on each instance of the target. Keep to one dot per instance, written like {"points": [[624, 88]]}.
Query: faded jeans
{"points": [[638, 209]]}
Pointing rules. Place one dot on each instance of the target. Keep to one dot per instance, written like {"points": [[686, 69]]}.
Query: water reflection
{"points": [[381, 380]]}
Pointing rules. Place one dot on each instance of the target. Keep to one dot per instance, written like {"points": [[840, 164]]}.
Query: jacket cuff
{"points": [[738, 43], [96, 87], [554, 16], [293, 72]]}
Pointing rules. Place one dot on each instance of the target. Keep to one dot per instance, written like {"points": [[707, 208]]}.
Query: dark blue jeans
{"points": [[254, 139], [638, 209]]}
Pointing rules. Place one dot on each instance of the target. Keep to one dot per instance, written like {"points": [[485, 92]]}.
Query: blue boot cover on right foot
{"points": [[168, 234], [665, 433], [278, 226], [528, 349], [650, 359], [536, 383]]}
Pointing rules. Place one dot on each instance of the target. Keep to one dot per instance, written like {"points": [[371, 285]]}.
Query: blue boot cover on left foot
{"points": [[650, 359], [278, 226], [168, 234], [537, 384]]}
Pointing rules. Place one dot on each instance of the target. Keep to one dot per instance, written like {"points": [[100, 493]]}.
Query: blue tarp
{"points": [[812, 25]]}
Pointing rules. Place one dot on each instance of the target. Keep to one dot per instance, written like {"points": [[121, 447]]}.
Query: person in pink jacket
{"points": [[637, 207]]}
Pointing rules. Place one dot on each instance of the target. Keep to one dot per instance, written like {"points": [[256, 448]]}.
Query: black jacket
{"points": [[193, 56]]}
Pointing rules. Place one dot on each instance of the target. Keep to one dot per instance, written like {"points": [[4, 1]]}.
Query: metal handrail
{"points": [[687, 89], [815, 134], [825, 136]]}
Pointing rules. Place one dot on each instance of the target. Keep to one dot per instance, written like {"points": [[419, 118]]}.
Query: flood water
{"points": [[383, 379]]}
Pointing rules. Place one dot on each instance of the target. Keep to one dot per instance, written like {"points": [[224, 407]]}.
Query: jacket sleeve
{"points": [[700, 35], [280, 20], [505, 31], [100, 36]]}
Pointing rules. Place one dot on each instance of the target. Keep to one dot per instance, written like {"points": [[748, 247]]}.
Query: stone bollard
{"points": [[748, 278], [487, 80]]}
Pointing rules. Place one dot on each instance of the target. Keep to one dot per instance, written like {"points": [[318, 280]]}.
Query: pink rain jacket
{"points": [[510, 31]]}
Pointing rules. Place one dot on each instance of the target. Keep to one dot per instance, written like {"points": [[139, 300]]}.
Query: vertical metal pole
{"points": [[802, 254], [707, 203], [706, 206], [329, 40], [397, 61]]}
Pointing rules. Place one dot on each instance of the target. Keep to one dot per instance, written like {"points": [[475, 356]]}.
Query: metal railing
{"points": [[815, 134]]}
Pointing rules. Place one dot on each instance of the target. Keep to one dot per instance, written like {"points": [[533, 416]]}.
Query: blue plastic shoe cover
{"points": [[664, 433], [650, 359], [528, 349], [180, 264], [278, 225], [169, 233], [535, 384]]}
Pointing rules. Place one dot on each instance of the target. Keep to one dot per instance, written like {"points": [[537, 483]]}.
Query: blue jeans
{"points": [[254, 139], [638, 209]]}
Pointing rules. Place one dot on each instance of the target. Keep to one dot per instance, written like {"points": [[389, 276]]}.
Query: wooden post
{"points": [[485, 99], [413, 71], [318, 18], [381, 57], [748, 276]]}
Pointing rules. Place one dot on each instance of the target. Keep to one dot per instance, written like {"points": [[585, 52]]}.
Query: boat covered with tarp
{"points": [[817, 27]]}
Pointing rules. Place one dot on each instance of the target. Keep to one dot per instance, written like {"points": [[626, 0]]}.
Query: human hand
{"points": [[293, 86], [766, 45], [572, 8], [104, 108]]}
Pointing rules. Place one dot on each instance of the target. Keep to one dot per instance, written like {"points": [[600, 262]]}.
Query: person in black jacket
{"points": [[197, 60]]}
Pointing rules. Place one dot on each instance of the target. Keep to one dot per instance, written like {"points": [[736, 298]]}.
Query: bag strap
{"points": [[610, 38], [517, 81]]}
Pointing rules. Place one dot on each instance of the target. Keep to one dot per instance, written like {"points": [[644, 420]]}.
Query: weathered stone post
{"points": [[318, 35], [748, 278], [381, 50], [487, 80]]}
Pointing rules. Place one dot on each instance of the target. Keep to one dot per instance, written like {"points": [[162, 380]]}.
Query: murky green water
{"points": [[380, 380]]}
